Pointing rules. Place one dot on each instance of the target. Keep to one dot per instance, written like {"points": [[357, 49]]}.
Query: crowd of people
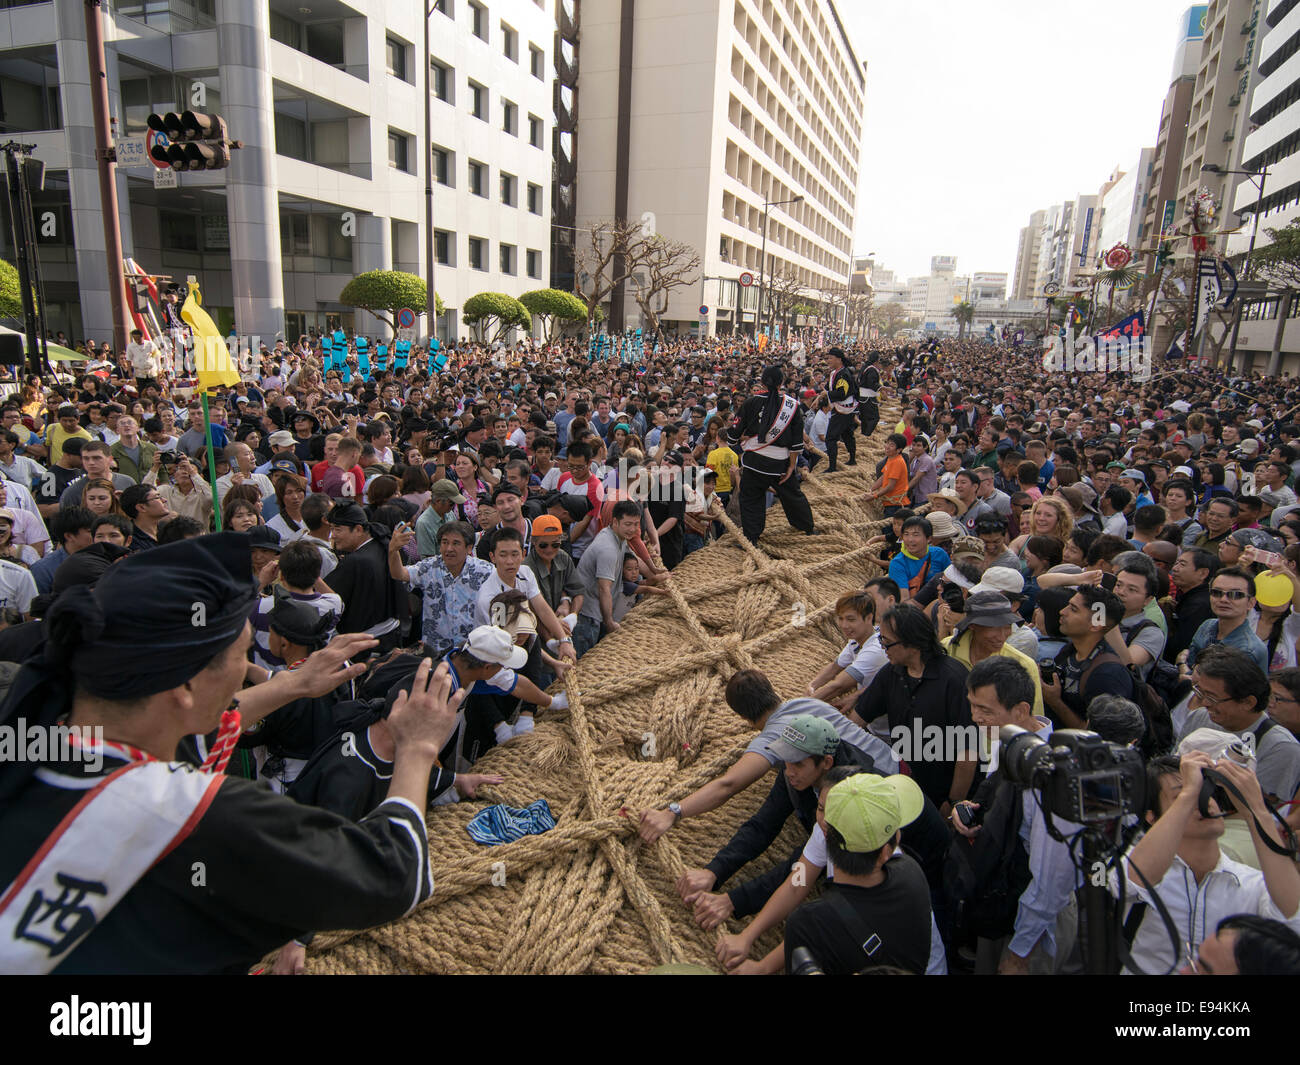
{"points": [[408, 561]]}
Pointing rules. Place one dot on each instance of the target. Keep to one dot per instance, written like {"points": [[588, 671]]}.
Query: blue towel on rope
{"points": [[504, 824]]}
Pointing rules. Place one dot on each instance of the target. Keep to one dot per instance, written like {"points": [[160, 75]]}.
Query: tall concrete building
{"points": [[694, 113], [1218, 120], [1167, 159], [1027, 251], [1123, 202], [327, 99], [1274, 109]]}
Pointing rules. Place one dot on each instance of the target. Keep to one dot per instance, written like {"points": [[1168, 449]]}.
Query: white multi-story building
{"points": [[1123, 202], [696, 113], [327, 100], [1273, 144]]}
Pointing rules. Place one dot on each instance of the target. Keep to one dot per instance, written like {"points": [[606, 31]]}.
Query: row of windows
{"points": [[478, 178], [443, 85], [477, 251], [479, 22]]}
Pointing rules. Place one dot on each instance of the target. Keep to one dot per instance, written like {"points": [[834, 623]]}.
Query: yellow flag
{"points": [[211, 355]]}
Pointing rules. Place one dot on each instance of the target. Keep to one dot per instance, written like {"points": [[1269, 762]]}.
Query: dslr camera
{"points": [[1079, 776]]}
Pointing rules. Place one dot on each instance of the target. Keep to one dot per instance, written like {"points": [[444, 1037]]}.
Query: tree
{"points": [[1279, 260], [890, 318], [11, 291], [612, 252], [553, 306], [784, 294], [385, 292], [664, 265], [964, 312], [859, 313], [487, 308]]}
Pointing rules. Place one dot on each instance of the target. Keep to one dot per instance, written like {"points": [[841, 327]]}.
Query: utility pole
{"points": [[106, 157], [24, 240], [431, 297]]}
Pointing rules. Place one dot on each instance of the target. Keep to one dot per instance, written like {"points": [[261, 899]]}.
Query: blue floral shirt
{"points": [[448, 601]]}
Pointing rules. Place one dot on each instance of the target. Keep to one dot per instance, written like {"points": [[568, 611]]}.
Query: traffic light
{"points": [[195, 141]]}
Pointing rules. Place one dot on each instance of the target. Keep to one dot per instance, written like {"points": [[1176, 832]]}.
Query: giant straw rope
{"points": [[647, 724]]}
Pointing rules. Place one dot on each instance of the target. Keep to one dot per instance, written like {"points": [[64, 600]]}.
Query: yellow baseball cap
{"points": [[867, 809]]}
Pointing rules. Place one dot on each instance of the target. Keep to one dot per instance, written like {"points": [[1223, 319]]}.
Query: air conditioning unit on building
{"points": [[1229, 135]]}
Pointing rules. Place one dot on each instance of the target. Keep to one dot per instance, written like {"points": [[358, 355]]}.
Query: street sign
{"points": [[405, 318], [746, 279], [156, 138], [165, 179], [704, 311], [406, 333], [131, 152]]}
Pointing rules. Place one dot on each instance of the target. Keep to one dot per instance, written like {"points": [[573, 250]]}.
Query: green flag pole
{"points": [[212, 460]]}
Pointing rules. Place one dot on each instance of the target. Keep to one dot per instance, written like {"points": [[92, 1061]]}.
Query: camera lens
{"points": [[1022, 753]]}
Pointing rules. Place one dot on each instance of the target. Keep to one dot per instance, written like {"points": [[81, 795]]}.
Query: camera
{"points": [[1047, 670], [1079, 776], [1212, 783], [953, 598]]}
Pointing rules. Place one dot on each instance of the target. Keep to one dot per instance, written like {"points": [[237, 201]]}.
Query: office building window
{"points": [[534, 259], [443, 242], [445, 7], [534, 198], [478, 173], [444, 166], [397, 65], [509, 43], [510, 118], [399, 150], [537, 62], [477, 249], [508, 183], [478, 20], [507, 258], [478, 100], [442, 81], [536, 129]]}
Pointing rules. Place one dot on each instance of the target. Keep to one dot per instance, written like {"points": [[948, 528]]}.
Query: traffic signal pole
{"points": [[106, 157]]}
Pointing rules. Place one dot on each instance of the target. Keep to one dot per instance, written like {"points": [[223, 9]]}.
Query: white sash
{"points": [[106, 843], [783, 418]]}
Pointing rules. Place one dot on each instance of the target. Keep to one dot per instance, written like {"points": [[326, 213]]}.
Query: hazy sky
{"points": [[978, 113]]}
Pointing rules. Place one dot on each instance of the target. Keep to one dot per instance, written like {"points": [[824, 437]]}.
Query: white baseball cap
{"points": [[493, 644], [1002, 579]]}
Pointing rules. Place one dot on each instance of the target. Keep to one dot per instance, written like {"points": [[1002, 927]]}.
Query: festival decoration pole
{"points": [[212, 459]]}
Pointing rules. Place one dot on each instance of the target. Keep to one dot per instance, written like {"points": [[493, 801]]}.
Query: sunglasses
{"points": [[541, 544], [1223, 593]]}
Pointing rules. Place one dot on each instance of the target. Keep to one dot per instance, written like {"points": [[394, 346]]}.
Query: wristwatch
{"points": [[675, 808]]}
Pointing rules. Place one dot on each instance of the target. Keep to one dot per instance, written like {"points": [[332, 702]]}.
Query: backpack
{"points": [[1159, 736], [984, 877]]}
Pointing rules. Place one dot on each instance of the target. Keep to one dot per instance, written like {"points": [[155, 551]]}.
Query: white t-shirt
{"points": [[494, 586], [17, 586], [863, 661], [551, 479]]}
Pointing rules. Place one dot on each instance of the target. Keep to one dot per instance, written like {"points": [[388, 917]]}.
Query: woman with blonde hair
{"points": [[1049, 516]]}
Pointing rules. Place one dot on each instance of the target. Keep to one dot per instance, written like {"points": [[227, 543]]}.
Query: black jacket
{"points": [[1193, 608]]}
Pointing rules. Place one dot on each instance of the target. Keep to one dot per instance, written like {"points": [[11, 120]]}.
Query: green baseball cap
{"points": [[805, 735], [867, 809]]}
